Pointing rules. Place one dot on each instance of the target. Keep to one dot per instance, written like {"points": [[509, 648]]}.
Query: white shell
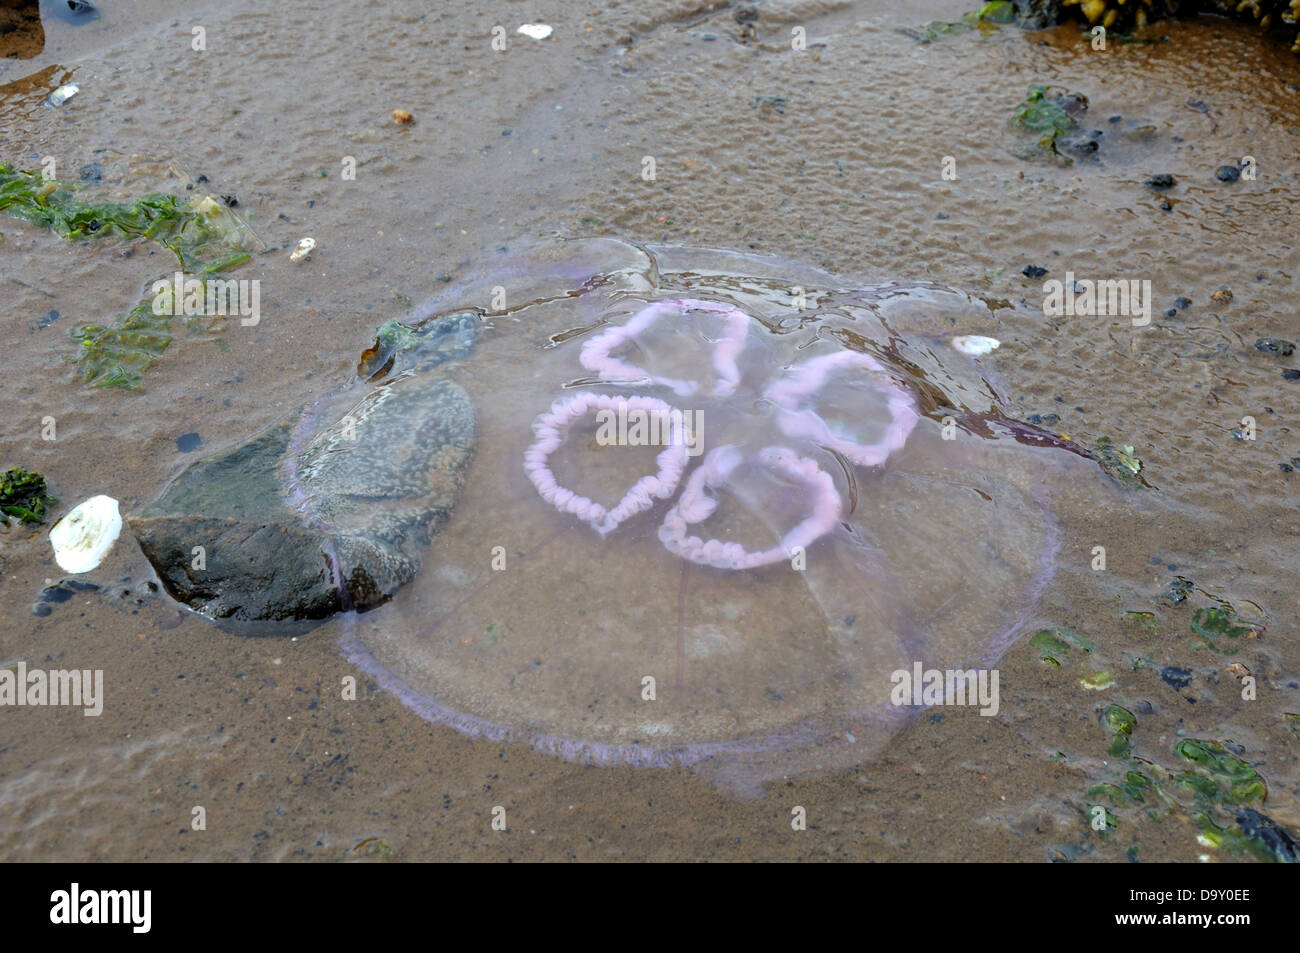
{"points": [[975, 345], [305, 247], [84, 537], [538, 31], [62, 95]]}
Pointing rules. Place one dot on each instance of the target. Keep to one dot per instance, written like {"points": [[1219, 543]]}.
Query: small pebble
{"points": [[1291, 375], [1034, 271], [1222, 296], [1162, 180], [1171, 313], [402, 117], [92, 174], [1227, 173], [188, 442], [1275, 346], [1182, 303]]}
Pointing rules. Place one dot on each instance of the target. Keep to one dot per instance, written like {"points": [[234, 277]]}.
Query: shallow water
{"points": [[832, 159]]}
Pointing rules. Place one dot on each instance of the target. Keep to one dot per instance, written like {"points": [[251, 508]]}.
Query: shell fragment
{"points": [[538, 31], [975, 345], [62, 95], [85, 536], [305, 247]]}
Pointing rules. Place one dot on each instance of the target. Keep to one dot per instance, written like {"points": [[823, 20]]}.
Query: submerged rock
{"points": [[326, 513]]}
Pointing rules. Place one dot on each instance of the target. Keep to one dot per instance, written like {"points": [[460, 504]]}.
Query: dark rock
{"points": [[92, 174], [1182, 303], [1275, 346], [1034, 271], [1227, 173], [1162, 180], [1179, 678], [188, 442], [42, 609], [65, 590], [1291, 375], [1260, 827], [368, 489]]}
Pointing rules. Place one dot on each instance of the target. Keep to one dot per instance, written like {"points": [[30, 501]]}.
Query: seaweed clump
{"points": [[23, 496], [206, 237]]}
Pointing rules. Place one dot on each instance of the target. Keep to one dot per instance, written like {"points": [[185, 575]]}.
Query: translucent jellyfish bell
{"points": [[737, 597]]}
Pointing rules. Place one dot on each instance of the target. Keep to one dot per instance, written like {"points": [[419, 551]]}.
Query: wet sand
{"points": [[830, 156]]}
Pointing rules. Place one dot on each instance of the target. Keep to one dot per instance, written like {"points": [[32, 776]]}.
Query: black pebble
{"points": [[507, 132], [1034, 271], [1275, 346], [1177, 677], [1171, 313], [188, 442], [1162, 180], [92, 174], [1166, 207], [1291, 375], [1182, 303], [230, 201], [1115, 119], [201, 179], [1227, 173], [75, 12], [42, 609]]}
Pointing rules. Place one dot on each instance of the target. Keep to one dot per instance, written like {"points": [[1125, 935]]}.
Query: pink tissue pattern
{"points": [[792, 396]]}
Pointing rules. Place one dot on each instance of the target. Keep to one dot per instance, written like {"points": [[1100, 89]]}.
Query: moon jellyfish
{"points": [[719, 509]]}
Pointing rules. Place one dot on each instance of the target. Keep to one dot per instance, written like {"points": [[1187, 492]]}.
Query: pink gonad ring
{"points": [[597, 353], [792, 393], [552, 428], [695, 506]]}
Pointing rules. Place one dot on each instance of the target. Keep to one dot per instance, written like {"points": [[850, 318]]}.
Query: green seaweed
{"points": [[23, 495], [1121, 722], [1097, 681], [985, 18], [1244, 783], [198, 231], [1214, 625], [1143, 617], [1213, 783], [1054, 644], [205, 236], [1041, 112]]}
